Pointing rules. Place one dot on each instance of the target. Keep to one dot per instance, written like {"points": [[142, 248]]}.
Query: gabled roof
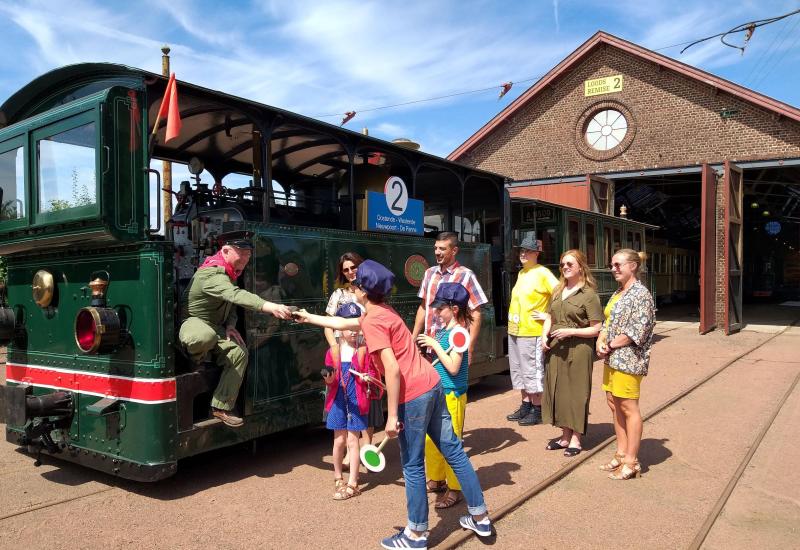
{"points": [[598, 40]]}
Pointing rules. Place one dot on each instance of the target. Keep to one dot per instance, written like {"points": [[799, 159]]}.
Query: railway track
{"points": [[460, 537]]}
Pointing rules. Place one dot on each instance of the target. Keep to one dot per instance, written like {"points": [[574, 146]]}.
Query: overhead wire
{"points": [[767, 55], [781, 55], [744, 27], [748, 28]]}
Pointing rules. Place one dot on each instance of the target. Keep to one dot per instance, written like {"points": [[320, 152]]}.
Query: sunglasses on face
{"points": [[567, 264], [617, 265], [349, 269]]}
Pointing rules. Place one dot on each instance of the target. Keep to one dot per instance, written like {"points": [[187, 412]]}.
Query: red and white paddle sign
{"points": [[459, 339]]}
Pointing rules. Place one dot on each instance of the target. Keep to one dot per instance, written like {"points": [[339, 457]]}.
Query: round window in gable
{"points": [[606, 129]]}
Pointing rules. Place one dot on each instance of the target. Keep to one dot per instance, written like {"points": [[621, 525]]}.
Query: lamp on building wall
{"points": [[754, 205]]}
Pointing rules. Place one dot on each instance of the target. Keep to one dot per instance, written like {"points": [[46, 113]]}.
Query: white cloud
{"points": [[322, 58], [555, 15], [390, 129]]}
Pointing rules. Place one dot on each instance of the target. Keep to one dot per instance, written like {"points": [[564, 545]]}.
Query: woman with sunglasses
{"points": [[345, 294], [575, 319], [624, 343]]}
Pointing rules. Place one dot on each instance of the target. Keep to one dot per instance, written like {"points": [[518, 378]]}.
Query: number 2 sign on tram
{"points": [[393, 211]]}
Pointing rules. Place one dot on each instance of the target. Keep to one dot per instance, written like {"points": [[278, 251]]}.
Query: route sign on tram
{"points": [[393, 211]]}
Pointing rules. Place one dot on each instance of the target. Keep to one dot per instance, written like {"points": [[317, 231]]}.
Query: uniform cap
{"points": [[373, 278], [239, 239], [350, 310], [451, 294], [529, 243]]}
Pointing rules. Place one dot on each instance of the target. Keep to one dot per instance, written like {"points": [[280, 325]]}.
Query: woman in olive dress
{"points": [[574, 321]]}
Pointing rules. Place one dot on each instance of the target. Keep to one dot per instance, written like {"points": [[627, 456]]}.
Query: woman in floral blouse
{"points": [[624, 343]]}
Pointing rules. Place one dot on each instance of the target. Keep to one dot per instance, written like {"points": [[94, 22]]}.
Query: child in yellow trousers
{"points": [[450, 305]]}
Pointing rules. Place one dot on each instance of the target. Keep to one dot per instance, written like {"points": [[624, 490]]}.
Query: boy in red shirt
{"points": [[416, 403]]}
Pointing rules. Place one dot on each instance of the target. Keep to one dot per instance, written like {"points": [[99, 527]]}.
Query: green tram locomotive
{"points": [[90, 312]]}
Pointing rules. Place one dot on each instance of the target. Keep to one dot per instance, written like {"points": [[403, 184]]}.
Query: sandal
{"points": [[337, 483], [615, 463], [436, 486], [627, 471], [346, 491], [451, 498], [555, 444], [572, 451]]}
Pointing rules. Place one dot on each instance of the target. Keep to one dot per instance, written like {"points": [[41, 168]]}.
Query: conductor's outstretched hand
{"points": [[279, 310]]}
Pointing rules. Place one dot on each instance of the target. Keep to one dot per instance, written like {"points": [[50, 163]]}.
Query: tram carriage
{"points": [[675, 271], [561, 228], [90, 306]]}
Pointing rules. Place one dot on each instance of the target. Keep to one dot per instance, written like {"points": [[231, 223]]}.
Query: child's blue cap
{"points": [[349, 310], [451, 294], [373, 278]]}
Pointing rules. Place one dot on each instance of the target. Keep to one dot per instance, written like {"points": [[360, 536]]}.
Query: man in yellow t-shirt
{"points": [[530, 301]]}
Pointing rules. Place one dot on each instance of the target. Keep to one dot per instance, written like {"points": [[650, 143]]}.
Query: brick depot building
{"points": [[715, 165]]}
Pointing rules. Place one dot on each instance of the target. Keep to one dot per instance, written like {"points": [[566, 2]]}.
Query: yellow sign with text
{"points": [[600, 86]]}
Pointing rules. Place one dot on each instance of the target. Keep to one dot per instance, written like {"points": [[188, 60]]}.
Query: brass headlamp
{"points": [[97, 327]]}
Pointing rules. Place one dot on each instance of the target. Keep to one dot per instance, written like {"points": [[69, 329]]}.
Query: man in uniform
{"points": [[210, 304], [448, 270]]}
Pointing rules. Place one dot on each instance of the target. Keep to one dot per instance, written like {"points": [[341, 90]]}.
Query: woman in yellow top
{"points": [[530, 300], [624, 343]]}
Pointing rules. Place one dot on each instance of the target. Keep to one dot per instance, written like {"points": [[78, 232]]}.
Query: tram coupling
{"points": [[39, 415]]}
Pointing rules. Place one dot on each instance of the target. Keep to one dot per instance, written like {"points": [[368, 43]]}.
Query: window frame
{"points": [[586, 225], [64, 125], [578, 220], [9, 144], [608, 240]]}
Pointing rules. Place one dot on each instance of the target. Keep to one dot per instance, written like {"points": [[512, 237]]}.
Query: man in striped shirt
{"points": [[448, 270]]}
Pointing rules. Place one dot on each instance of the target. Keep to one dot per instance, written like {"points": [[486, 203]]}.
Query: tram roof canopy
{"points": [[219, 127]]}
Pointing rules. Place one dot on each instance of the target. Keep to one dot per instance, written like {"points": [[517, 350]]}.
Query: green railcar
{"points": [[90, 305]]}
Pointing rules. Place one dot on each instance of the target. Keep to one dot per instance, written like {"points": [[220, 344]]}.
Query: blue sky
{"points": [[327, 57]]}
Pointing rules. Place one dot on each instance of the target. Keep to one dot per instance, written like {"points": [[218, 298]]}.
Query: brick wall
{"points": [[676, 121]]}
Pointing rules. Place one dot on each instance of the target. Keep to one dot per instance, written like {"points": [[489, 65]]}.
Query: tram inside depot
{"points": [[235, 160], [771, 231]]}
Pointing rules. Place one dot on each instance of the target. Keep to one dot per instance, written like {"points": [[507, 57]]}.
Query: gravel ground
{"points": [[280, 495]]}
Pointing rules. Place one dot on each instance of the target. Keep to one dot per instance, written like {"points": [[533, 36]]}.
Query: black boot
{"points": [[533, 417], [524, 408]]}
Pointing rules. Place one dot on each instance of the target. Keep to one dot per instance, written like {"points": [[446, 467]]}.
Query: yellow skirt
{"points": [[621, 384]]}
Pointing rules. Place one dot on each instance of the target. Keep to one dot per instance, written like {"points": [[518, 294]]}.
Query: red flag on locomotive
{"points": [[169, 108]]}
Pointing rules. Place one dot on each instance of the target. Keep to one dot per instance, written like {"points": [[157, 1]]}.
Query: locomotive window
{"points": [[637, 241], [12, 183], [67, 169], [607, 252], [551, 251], [617, 240], [591, 252], [574, 234]]}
